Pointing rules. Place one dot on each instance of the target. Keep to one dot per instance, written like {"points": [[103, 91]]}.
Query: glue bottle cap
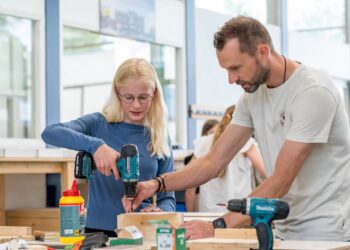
{"points": [[73, 191]]}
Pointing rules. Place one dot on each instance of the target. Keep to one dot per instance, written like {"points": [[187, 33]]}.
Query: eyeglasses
{"points": [[143, 99]]}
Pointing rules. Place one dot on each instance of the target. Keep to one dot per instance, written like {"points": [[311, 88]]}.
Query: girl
{"points": [[134, 113]]}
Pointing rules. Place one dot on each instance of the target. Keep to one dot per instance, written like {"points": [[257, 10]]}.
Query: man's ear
{"points": [[263, 52]]}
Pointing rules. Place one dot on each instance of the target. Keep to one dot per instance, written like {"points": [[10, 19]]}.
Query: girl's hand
{"points": [[151, 208], [127, 204], [105, 159]]}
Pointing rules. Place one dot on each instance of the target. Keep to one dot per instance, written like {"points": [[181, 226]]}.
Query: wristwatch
{"points": [[219, 223]]}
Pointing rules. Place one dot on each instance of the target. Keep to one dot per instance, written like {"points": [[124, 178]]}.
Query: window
{"points": [[89, 64], [322, 19], [253, 8], [16, 78]]}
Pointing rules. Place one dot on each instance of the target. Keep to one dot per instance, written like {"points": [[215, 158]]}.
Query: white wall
{"points": [[81, 14], [330, 56], [87, 68], [170, 22]]}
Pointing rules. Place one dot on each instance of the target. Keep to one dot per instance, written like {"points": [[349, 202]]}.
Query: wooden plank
{"points": [[126, 247], [30, 167], [36, 247], [2, 201], [36, 159], [43, 224], [201, 216], [141, 220], [34, 212], [10, 237], [236, 233], [38, 219], [223, 244], [313, 245], [16, 231]]}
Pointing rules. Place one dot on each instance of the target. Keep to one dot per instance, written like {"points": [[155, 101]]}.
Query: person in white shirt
{"points": [[191, 194], [235, 181]]}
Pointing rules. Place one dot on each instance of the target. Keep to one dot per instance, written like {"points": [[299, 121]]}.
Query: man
{"points": [[298, 118]]}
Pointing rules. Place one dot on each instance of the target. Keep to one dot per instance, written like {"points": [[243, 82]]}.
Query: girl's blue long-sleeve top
{"points": [[89, 132]]}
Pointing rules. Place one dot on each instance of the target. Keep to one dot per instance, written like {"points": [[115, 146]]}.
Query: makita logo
{"points": [[265, 208]]}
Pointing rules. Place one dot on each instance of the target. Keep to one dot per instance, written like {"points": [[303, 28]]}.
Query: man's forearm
{"points": [[194, 174]]}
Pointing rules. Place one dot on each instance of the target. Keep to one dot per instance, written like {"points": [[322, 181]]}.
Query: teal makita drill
{"points": [[128, 167], [262, 212]]}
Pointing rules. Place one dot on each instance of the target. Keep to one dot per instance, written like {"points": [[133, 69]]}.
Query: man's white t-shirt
{"points": [[307, 108], [235, 184]]}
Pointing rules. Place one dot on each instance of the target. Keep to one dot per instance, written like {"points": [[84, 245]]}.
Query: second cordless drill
{"points": [[262, 212], [128, 167]]}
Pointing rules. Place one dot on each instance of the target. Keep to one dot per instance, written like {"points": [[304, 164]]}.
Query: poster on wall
{"points": [[133, 19]]}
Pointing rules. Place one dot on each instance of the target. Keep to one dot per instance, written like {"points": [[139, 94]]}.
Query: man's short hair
{"points": [[249, 32]]}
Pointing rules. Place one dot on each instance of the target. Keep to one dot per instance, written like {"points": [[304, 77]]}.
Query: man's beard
{"points": [[260, 77]]}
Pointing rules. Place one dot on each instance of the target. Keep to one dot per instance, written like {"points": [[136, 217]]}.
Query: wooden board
{"points": [[236, 233], [17, 231], [201, 216], [141, 220], [10, 237], [44, 219], [34, 247], [226, 244], [313, 245], [222, 244], [126, 247]]}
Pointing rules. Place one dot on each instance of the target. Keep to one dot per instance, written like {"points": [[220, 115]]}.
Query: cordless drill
{"points": [[128, 167], [262, 212]]}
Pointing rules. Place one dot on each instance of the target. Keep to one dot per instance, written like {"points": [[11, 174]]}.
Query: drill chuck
{"points": [[282, 210], [237, 205], [130, 189]]}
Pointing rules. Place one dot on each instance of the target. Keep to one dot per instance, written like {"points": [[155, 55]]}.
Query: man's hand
{"points": [[197, 229], [127, 204], [144, 190], [105, 159]]}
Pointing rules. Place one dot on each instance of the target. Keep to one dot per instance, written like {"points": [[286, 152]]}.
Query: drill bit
{"points": [[221, 204]]}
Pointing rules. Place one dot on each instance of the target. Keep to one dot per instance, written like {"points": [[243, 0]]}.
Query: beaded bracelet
{"points": [[159, 184], [163, 183]]}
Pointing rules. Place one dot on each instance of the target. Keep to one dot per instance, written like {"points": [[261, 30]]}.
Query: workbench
{"points": [[35, 165]]}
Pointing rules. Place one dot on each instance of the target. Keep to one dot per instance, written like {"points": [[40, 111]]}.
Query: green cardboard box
{"points": [[169, 238]]}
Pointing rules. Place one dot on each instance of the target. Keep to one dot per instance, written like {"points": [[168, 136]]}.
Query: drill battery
{"points": [[84, 167]]}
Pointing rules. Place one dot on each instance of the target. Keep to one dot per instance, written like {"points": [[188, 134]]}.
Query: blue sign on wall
{"points": [[128, 18]]}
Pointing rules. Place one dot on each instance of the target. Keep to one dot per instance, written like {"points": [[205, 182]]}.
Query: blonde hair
{"points": [[136, 68], [224, 122]]}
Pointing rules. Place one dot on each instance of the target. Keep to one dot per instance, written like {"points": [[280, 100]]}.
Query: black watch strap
{"points": [[219, 223]]}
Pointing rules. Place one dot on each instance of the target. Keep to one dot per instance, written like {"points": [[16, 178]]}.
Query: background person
{"points": [[235, 181], [191, 195]]}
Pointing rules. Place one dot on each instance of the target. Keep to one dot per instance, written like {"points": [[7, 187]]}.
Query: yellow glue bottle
{"points": [[72, 216]]}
